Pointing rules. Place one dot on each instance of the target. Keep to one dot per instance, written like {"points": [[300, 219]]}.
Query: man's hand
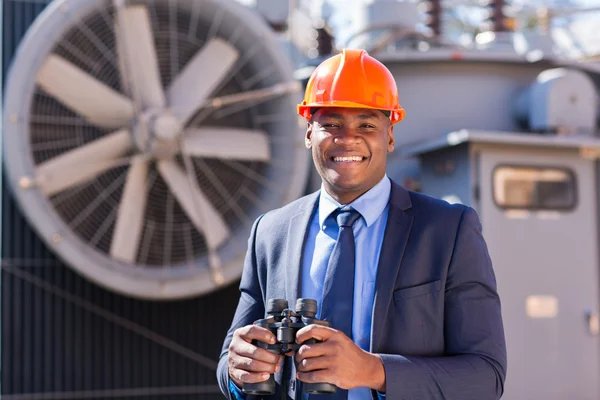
{"points": [[247, 362], [337, 360]]}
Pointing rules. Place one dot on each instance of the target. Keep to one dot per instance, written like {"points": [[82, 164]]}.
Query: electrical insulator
{"points": [[497, 20], [435, 17], [324, 41]]}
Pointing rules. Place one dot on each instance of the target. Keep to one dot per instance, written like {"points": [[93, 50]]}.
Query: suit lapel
{"points": [[297, 232], [397, 231]]}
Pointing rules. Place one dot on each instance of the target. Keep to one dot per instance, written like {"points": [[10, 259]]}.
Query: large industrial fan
{"points": [[143, 138]]}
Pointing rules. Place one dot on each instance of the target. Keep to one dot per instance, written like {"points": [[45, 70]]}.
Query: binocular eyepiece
{"points": [[284, 324]]}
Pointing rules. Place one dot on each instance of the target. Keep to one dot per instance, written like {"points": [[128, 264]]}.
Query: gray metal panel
{"points": [[447, 173], [441, 97], [449, 90], [60, 333], [451, 54], [534, 140], [546, 254], [442, 94]]}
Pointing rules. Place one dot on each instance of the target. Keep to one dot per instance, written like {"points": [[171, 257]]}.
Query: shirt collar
{"points": [[370, 205]]}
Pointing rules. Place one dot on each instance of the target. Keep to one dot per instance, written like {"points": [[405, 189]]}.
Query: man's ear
{"points": [[308, 136], [391, 140]]}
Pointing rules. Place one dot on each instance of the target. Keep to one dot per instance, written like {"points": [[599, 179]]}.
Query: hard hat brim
{"points": [[396, 115]]}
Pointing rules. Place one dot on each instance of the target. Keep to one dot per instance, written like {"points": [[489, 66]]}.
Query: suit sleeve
{"points": [[250, 308], [475, 365]]}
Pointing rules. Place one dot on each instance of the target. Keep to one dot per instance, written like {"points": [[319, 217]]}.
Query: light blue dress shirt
{"points": [[368, 235]]}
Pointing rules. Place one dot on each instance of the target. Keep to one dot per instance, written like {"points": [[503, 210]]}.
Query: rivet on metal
{"points": [[218, 277], [217, 103], [25, 182]]}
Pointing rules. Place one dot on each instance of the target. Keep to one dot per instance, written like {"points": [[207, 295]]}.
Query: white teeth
{"points": [[346, 159]]}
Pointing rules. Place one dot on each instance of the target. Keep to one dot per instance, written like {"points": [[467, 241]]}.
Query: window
{"points": [[534, 188]]}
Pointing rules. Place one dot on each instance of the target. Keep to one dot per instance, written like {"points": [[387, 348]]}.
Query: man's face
{"points": [[349, 148]]}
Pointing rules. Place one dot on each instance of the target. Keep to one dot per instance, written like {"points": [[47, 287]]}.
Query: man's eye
{"points": [[330, 125], [368, 126]]}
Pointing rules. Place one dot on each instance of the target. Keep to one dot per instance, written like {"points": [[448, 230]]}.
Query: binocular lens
{"points": [[276, 306], [306, 307]]}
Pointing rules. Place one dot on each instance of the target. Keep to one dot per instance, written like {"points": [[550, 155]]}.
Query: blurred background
{"points": [[142, 138]]}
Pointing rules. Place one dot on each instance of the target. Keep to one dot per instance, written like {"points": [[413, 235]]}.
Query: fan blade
{"points": [[130, 217], [189, 195], [83, 163], [84, 94], [136, 43], [200, 77], [124, 78], [232, 143]]}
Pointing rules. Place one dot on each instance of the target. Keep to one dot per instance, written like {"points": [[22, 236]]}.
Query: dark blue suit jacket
{"points": [[437, 322]]}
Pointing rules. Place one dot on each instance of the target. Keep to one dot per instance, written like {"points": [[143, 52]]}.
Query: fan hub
{"points": [[157, 131], [166, 126]]}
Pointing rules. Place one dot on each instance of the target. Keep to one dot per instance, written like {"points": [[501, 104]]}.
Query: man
{"points": [[419, 316]]}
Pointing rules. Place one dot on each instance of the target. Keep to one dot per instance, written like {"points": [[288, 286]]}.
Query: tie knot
{"points": [[347, 217]]}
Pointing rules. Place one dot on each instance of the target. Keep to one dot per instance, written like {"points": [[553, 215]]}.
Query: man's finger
{"points": [[312, 350], [255, 332], [250, 365], [317, 376], [314, 363], [314, 331], [249, 377], [249, 350]]}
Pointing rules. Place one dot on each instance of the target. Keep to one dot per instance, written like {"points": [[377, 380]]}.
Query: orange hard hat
{"points": [[352, 79]]}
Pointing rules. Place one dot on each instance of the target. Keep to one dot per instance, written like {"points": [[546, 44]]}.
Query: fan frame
{"points": [[52, 24]]}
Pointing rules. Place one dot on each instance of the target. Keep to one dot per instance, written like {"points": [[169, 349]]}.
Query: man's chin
{"points": [[344, 184]]}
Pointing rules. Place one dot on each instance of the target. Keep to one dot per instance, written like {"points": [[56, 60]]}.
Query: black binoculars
{"points": [[284, 323]]}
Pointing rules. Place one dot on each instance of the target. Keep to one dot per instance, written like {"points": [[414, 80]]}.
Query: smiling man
{"points": [[405, 280], [349, 147]]}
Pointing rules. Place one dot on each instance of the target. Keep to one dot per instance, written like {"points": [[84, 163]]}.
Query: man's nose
{"points": [[347, 137]]}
